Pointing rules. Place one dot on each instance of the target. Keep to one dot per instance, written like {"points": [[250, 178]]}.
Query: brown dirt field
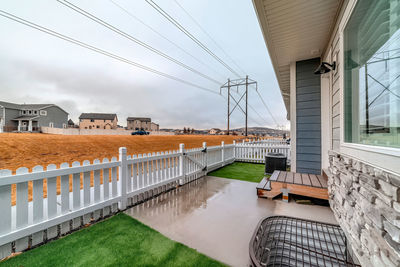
{"points": [[28, 150]]}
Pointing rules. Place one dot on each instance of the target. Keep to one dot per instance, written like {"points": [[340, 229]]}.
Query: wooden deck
{"points": [[309, 185]]}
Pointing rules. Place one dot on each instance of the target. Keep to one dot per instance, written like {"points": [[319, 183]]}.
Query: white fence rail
{"points": [[68, 197]]}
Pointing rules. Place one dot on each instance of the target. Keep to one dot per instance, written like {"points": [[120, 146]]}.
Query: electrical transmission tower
{"points": [[238, 83]]}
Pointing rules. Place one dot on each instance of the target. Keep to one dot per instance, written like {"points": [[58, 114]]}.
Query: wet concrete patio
{"points": [[218, 216]]}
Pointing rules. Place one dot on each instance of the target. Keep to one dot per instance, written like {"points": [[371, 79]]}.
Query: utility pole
{"points": [[366, 100], [238, 83], [247, 93], [229, 93]]}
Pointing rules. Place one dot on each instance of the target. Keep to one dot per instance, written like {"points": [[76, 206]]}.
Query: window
{"points": [[29, 112], [92, 120], [51, 125], [43, 113], [24, 112], [98, 126], [372, 74], [35, 112], [64, 126]]}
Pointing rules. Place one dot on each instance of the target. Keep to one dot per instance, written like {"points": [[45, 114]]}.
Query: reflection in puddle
{"points": [[182, 200]]}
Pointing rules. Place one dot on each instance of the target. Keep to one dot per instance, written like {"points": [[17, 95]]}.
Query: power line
{"points": [[98, 50], [187, 33], [265, 105], [164, 37], [208, 35], [131, 38], [226, 54]]}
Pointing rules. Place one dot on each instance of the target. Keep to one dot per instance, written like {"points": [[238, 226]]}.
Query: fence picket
{"points": [[106, 181], [135, 174], [153, 174], [129, 176], [96, 183], [86, 185], [5, 204], [64, 190], [37, 197], [158, 176], [114, 178], [140, 172], [76, 187], [22, 200], [145, 171]]}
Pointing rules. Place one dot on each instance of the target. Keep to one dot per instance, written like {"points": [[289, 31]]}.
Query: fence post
{"points": [[205, 156], [234, 150], [182, 171], [223, 153], [122, 177]]}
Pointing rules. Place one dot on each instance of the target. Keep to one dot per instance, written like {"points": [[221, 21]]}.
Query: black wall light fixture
{"points": [[325, 67]]}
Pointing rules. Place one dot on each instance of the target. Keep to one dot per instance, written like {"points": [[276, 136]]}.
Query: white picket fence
{"points": [[107, 186], [256, 152]]}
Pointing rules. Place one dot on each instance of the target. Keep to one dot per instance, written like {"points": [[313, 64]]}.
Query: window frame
{"points": [[383, 157]]}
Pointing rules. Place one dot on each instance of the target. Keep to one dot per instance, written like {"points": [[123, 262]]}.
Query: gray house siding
{"points": [[10, 115], [308, 117], [55, 115]]}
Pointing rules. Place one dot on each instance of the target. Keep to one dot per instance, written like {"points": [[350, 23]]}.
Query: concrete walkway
{"points": [[218, 216]]}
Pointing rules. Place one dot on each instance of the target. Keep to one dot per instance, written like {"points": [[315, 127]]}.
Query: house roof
{"points": [[138, 119], [10, 105], [27, 106], [294, 31], [98, 116], [71, 122]]}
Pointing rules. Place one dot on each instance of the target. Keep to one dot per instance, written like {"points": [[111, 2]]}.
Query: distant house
{"points": [[138, 123], [71, 124], [154, 126], [30, 117], [98, 121], [214, 131]]}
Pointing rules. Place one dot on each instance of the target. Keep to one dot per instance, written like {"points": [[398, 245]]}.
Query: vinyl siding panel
{"points": [[308, 117], [315, 150]]}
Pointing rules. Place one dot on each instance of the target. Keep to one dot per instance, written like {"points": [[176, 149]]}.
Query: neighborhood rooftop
{"points": [[138, 119], [98, 116], [24, 106]]}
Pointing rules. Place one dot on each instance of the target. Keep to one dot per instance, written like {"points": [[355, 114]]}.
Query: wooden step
{"points": [[297, 183]]}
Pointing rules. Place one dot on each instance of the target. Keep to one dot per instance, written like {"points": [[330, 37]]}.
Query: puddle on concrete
{"points": [[217, 216]]}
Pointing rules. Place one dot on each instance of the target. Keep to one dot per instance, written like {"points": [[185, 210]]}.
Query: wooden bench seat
{"points": [[310, 185]]}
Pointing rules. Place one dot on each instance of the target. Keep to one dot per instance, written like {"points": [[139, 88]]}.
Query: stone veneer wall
{"points": [[366, 203]]}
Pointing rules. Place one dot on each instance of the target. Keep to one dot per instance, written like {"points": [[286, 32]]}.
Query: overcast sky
{"points": [[38, 68]]}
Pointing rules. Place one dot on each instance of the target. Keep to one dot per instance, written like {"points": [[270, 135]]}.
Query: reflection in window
{"points": [[372, 74]]}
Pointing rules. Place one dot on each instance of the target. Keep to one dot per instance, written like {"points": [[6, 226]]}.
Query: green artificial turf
{"points": [[250, 172], [118, 241]]}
